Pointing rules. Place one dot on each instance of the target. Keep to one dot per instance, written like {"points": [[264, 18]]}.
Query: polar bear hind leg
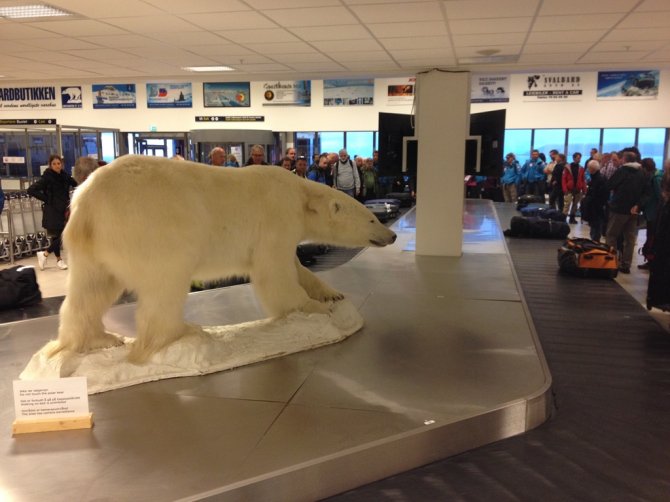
{"points": [[91, 291]]}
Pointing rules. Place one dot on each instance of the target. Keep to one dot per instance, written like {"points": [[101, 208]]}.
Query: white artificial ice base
{"points": [[215, 348]]}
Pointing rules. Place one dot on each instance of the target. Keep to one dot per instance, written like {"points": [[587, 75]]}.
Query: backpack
{"points": [[18, 287], [587, 258]]}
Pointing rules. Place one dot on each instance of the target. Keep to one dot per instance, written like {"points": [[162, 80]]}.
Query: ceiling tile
{"points": [[58, 44], [612, 57], [646, 20], [415, 43], [290, 59], [479, 9], [487, 40], [221, 50], [345, 57], [399, 13], [550, 59], [16, 31], [260, 36], [231, 20], [473, 51], [653, 5], [421, 53], [581, 7], [121, 41], [638, 45], [347, 45], [371, 65], [117, 8], [317, 16], [290, 4], [260, 68], [199, 6], [156, 24], [79, 28], [576, 22], [626, 34], [101, 54], [51, 57], [281, 48], [547, 37], [318, 67], [485, 26], [416, 29], [576, 47], [339, 32], [187, 38]]}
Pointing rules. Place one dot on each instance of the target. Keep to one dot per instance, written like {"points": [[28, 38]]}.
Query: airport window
{"points": [[545, 140], [331, 141], [360, 143], [582, 140], [617, 139], [518, 142], [651, 143]]}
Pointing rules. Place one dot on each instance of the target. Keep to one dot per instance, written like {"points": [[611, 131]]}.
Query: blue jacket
{"points": [[511, 171], [533, 171]]}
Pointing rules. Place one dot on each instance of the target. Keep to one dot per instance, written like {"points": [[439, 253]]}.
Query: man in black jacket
{"points": [[628, 185], [593, 205], [556, 188]]}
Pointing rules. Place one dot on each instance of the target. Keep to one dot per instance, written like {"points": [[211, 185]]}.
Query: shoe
{"points": [[62, 265], [572, 220], [41, 259], [644, 266], [624, 270]]}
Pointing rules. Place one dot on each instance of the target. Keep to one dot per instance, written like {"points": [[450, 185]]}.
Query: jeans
{"points": [[626, 225]]}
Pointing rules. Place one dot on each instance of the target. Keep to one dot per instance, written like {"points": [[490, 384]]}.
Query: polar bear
{"points": [[152, 225]]}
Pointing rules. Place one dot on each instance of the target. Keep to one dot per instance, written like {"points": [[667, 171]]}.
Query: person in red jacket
{"points": [[574, 186]]}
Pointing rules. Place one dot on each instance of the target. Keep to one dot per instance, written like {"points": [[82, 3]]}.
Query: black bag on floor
{"points": [[587, 258], [534, 209], [537, 228], [18, 287], [524, 200], [551, 214]]}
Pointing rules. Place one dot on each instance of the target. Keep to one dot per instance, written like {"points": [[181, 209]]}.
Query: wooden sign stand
{"points": [[52, 424]]}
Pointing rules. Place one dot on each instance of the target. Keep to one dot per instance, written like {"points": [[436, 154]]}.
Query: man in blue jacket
{"points": [[510, 178], [532, 174]]}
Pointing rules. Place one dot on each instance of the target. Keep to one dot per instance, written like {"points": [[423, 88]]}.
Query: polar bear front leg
{"points": [[315, 287], [276, 282]]}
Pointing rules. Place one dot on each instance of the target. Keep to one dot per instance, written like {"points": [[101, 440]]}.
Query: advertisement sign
{"points": [[639, 84], [28, 98], [230, 118], [554, 87], [226, 94], [70, 96], [348, 92], [177, 95], [114, 96], [489, 89], [400, 91], [287, 92]]}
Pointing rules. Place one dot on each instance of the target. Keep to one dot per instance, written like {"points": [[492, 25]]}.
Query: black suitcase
{"points": [[524, 200], [534, 209], [405, 198], [18, 287], [537, 228]]}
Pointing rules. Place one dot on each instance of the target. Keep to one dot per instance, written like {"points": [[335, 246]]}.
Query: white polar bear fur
{"points": [[152, 225]]}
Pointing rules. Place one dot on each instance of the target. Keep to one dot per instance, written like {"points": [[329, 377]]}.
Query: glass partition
{"points": [[518, 142], [651, 143], [546, 140], [582, 140], [360, 143], [617, 139]]}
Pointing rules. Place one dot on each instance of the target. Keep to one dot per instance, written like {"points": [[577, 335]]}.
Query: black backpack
{"points": [[18, 287]]}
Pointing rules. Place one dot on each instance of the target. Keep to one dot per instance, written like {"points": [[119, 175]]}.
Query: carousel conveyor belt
{"points": [[609, 436]]}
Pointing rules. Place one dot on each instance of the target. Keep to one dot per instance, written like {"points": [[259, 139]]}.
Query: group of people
{"points": [[356, 176]]}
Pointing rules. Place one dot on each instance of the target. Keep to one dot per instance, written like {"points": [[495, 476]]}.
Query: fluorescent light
{"points": [[208, 68], [29, 11]]}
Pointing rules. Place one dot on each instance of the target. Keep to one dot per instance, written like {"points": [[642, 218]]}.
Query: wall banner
{"points": [[489, 89], [177, 95], [70, 96], [22, 98], [554, 87], [628, 84], [400, 91], [287, 93], [348, 92], [114, 96], [226, 94]]}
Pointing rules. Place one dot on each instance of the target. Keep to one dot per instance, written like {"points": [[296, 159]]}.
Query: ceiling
{"points": [[332, 38]]}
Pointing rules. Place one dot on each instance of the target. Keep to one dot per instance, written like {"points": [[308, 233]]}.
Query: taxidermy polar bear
{"points": [[152, 225]]}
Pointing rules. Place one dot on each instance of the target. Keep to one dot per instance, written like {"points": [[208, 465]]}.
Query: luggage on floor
{"points": [[405, 198], [587, 258], [534, 209], [524, 200], [18, 287], [537, 228], [551, 214]]}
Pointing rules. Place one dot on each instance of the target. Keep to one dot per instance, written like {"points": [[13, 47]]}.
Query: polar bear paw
{"points": [[326, 294], [315, 307]]}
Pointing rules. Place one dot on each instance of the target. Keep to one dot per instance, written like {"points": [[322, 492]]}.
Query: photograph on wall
{"points": [[70, 96], [489, 89], [177, 95], [114, 96], [554, 87], [28, 98], [226, 94], [400, 91], [287, 93], [348, 92], [628, 84]]}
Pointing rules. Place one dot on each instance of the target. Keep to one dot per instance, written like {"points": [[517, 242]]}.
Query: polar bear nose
{"points": [[393, 238]]}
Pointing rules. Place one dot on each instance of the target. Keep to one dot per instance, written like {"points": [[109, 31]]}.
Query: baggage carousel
{"points": [[447, 361]]}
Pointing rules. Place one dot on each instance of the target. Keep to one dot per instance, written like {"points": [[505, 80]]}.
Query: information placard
{"points": [[59, 398]]}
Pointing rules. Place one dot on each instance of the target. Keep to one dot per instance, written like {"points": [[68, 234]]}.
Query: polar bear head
{"points": [[332, 217]]}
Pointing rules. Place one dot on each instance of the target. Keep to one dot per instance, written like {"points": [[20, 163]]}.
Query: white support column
{"points": [[442, 124]]}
